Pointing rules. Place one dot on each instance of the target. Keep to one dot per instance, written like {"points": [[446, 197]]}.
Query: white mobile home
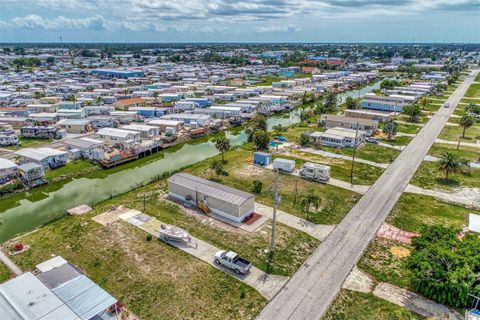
{"points": [[338, 137], [146, 131], [113, 136], [46, 157]]}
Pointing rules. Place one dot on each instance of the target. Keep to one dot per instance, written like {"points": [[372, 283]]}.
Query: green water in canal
{"points": [[39, 206]]}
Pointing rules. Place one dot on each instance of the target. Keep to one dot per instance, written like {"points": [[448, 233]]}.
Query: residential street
{"points": [[309, 293]]}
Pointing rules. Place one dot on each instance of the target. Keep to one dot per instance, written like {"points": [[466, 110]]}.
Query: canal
{"points": [[39, 206]]}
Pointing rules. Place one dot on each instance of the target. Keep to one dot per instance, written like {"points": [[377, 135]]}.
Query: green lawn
{"points": [[29, 143], [5, 273], [408, 128], [413, 211], [151, 278], [454, 133], [340, 169], [471, 153], [473, 91], [336, 202], [398, 140], [429, 176], [477, 79], [365, 306], [370, 152]]}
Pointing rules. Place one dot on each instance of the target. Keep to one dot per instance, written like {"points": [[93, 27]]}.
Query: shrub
{"points": [[149, 237]]}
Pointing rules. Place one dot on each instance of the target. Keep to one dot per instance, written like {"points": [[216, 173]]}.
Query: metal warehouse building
{"points": [[227, 202]]}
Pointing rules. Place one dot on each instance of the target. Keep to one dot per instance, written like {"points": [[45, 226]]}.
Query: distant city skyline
{"points": [[400, 21]]}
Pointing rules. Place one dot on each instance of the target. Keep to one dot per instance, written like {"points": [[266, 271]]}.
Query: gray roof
{"points": [[26, 298], [84, 297], [210, 188], [55, 277]]}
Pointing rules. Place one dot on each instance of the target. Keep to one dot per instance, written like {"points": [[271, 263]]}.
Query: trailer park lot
{"points": [[155, 278]]}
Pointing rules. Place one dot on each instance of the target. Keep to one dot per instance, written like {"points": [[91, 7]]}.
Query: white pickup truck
{"points": [[232, 261]]}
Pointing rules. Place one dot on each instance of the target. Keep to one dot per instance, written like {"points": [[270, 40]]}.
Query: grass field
{"points": [[413, 211], [477, 79], [473, 91], [28, 143], [370, 152], [398, 140], [365, 306], [454, 133], [430, 177], [336, 202], [381, 261], [408, 128], [5, 273], [471, 153], [154, 280]]}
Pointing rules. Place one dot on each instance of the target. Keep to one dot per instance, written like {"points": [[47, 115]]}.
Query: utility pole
{"points": [[353, 155], [275, 205]]}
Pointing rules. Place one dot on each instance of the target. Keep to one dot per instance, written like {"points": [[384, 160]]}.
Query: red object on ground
{"points": [[18, 247]]}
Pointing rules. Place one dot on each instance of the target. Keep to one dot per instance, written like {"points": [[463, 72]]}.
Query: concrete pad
{"points": [[469, 197], [344, 157], [359, 281], [410, 300]]}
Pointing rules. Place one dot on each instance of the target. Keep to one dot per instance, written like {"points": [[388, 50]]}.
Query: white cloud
{"points": [[35, 22]]}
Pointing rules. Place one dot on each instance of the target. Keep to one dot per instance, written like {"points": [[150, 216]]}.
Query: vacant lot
{"points": [[473, 91], [370, 152], [336, 202], [365, 306], [471, 153], [398, 140], [29, 143], [408, 128], [413, 211], [430, 176], [153, 279], [385, 261], [453, 133]]}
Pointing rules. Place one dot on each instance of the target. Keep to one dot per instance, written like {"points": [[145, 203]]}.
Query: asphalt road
{"points": [[309, 293]]}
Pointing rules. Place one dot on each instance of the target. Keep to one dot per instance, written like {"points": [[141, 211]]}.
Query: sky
{"points": [[240, 21]]}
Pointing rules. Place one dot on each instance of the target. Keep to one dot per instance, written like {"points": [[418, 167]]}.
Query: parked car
{"points": [[232, 261], [446, 105], [372, 140]]}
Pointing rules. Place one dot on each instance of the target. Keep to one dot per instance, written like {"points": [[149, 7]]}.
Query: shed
{"points": [[262, 158], [474, 223], [227, 202]]}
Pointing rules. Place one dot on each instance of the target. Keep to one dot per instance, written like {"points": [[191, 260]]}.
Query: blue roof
{"points": [[84, 297]]}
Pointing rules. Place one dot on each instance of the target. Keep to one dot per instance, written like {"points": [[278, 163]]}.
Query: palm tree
{"points": [[309, 200], [222, 145], [424, 102], [390, 128], [466, 122], [451, 163]]}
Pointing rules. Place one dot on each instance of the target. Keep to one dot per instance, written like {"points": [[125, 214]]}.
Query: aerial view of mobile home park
{"points": [[250, 180]]}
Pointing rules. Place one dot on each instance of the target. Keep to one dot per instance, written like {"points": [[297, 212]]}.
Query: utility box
{"points": [[315, 172], [262, 158], [284, 165]]}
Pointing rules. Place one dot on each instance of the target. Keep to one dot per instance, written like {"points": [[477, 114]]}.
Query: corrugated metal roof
{"points": [[26, 298], [84, 297], [210, 188]]}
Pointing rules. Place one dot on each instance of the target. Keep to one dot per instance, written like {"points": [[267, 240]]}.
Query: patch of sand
{"points": [[399, 252]]}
